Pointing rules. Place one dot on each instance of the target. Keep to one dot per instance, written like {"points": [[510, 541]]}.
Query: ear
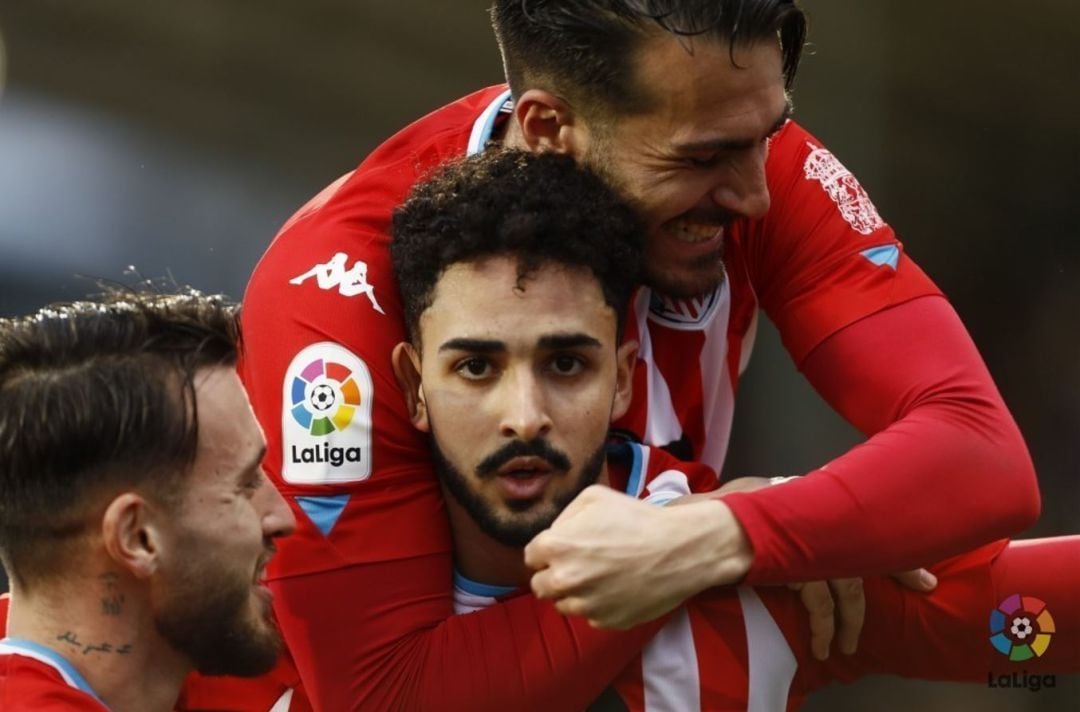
{"points": [[625, 360], [132, 534], [406, 362], [549, 123]]}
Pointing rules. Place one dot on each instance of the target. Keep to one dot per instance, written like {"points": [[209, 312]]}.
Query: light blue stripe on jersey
{"points": [[634, 483], [884, 255], [484, 125], [480, 589], [39, 652], [323, 511]]}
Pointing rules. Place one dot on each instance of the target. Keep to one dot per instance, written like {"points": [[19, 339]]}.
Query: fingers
{"points": [[851, 611], [917, 580], [818, 600]]}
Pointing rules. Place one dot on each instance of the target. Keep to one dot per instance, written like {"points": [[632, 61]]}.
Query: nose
{"points": [[525, 413], [744, 190], [274, 513]]}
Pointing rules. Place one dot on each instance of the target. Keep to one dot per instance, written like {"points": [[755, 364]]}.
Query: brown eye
{"points": [[567, 365], [474, 368]]}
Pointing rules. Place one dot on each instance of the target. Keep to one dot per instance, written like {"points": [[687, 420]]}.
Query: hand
{"points": [[620, 562]]}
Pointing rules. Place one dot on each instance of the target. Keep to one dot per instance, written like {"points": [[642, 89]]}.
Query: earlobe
{"points": [[625, 360], [131, 536], [548, 123], [406, 363]]}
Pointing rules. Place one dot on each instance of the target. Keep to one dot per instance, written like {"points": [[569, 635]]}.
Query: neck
{"points": [[482, 559], [101, 624], [479, 557]]}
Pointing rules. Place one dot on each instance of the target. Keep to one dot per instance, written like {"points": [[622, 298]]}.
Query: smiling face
{"points": [[695, 159], [519, 379], [210, 602]]}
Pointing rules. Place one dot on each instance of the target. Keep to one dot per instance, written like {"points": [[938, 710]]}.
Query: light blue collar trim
{"points": [[485, 124], [480, 589], [634, 482], [36, 651]]}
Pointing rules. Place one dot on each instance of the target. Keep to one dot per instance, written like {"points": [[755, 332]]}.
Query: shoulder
{"points": [[656, 476], [27, 684]]}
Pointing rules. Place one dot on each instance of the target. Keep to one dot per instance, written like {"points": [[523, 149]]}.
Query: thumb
{"points": [[917, 580]]}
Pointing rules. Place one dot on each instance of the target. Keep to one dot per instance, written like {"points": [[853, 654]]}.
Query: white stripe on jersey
{"points": [[662, 426], [716, 383], [482, 127], [669, 668], [668, 485], [772, 664], [282, 705]]}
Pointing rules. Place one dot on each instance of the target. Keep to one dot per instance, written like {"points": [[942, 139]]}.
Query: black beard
{"points": [[206, 618], [514, 534]]}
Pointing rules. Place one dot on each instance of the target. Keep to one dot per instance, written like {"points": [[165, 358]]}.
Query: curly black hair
{"points": [[540, 209]]}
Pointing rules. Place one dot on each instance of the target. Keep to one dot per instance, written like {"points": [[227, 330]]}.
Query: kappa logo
{"points": [[683, 313], [840, 185], [350, 282], [326, 417]]}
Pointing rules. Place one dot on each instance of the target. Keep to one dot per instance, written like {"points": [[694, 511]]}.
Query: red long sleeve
{"points": [[945, 468], [520, 655], [945, 635]]}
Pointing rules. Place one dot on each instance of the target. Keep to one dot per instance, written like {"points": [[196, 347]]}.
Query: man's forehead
{"points": [[494, 299]]}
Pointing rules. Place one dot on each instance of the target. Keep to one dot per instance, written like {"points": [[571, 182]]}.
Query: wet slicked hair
{"points": [[98, 396], [540, 209], [584, 49]]}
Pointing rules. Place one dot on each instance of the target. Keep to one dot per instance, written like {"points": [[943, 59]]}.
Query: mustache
{"points": [[519, 448], [268, 553]]}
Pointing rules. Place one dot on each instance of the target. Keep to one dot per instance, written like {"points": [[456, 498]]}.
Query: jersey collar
{"points": [[48, 656]]}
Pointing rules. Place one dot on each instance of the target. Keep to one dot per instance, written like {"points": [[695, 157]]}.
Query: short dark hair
{"points": [[96, 396], [584, 48], [539, 208]]}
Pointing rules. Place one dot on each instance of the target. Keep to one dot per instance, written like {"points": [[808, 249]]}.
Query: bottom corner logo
{"points": [[1021, 628]]}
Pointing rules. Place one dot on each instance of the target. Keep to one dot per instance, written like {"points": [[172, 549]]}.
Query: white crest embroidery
{"points": [[349, 282], [854, 204]]}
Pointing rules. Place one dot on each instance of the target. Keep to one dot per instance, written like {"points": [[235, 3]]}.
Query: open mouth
{"points": [[694, 232], [524, 477]]}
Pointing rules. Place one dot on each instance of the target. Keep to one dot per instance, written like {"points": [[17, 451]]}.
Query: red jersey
{"points": [[321, 316], [737, 649], [33, 677]]}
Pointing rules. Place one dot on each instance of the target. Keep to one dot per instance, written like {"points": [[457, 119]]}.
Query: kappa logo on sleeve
{"points": [[840, 185], [326, 417], [350, 282]]}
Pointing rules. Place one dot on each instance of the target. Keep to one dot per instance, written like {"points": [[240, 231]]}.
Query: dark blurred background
{"points": [[176, 137]]}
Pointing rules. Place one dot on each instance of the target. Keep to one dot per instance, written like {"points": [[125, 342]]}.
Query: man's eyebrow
{"points": [[482, 346], [732, 144], [556, 342]]}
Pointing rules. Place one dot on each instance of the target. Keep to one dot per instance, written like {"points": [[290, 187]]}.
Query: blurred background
{"points": [[176, 137]]}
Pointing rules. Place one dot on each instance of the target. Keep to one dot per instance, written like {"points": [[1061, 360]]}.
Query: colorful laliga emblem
{"points": [[325, 397], [1021, 628]]}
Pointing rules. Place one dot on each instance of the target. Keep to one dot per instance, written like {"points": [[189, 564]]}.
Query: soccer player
{"points": [[135, 518], [515, 370], [683, 106]]}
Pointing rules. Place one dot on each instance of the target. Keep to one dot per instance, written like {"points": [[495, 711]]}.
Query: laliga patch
{"points": [[326, 417], [840, 185]]}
